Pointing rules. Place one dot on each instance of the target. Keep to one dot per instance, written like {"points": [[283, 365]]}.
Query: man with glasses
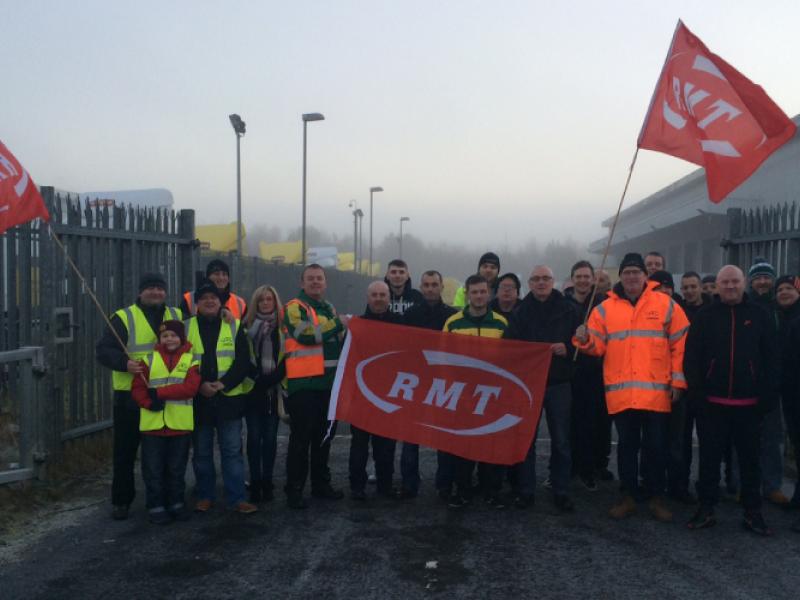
{"points": [[641, 333]]}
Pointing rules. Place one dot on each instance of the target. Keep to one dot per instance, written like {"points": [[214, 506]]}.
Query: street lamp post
{"points": [[402, 220], [360, 215], [371, 191], [356, 213], [239, 129], [306, 118]]}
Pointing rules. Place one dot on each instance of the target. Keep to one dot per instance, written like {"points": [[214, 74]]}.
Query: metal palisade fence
{"points": [[51, 387], [771, 232]]}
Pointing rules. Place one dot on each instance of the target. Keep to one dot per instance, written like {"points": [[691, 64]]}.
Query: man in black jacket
{"points": [[136, 327], [219, 406], [382, 448], [545, 315], [731, 359], [402, 296], [429, 314]]}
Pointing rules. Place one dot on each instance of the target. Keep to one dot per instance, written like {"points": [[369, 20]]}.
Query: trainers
{"points": [[588, 482], [623, 509], [704, 517], [161, 517], [755, 523], [456, 501], [524, 501], [245, 508], [202, 506], [494, 501], [605, 475], [563, 503], [778, 498], [657, 509], [358, 495], [119, 512], [548, 484], [327, 493]]}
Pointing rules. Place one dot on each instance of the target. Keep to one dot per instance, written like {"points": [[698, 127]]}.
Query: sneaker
{"points": [[296, 501], [524, 501], [755, 523], [704, 517], [778, 498], [161, 517], [588, 482], [245, 508], [358, 495], [658, 510], [623, 509], [548, 484], [563, 503], [327, 493], [605, 475], [456, 502], [119, 512], [202, 506], [494, 501]]}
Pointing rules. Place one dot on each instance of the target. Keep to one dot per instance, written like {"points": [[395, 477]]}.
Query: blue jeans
{"points": [[771, 451], [409, 467], [557, 403], [164, 459], [262, 444], [645, 430], [229, 438]]}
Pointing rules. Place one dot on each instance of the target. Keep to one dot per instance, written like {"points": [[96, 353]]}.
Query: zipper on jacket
{"points": [[733, 347]]}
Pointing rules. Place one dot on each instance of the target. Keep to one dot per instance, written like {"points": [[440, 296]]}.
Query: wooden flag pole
{"points": [[610, 239]]}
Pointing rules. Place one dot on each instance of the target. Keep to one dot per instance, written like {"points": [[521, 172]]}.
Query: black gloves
{"points": [[156, 404]]}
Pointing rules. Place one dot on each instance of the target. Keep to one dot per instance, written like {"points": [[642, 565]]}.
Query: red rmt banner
{"points": [[474, 397], [20, 200], [705, 111]]}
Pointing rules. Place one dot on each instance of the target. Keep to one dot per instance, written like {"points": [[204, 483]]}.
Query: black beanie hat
{"points": [[790, 279], [491, 258], [632, 259], [149, 280], [206, 287], [663, 278], [175, 327], [217, 265]]}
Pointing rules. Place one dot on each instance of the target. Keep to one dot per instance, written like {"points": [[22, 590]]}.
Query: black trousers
{"points": [[718, 425], [382, 454], [590, 430], [791, 414], [308, 411], [164, 460], [126, 445]]}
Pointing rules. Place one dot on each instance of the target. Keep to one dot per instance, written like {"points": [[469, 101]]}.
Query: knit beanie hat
{"points": [[175, 327], [632, 259], [149, 280], [206, 287], [663, 278], [761, 267], [790, 279], [217, 265], [491, 258]]}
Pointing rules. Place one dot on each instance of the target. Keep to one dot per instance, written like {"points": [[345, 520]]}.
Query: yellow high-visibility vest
{"points": [[177, 414], [225, 352]]}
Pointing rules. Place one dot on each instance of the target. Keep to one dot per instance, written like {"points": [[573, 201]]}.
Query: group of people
{"points": [[718, 358]]}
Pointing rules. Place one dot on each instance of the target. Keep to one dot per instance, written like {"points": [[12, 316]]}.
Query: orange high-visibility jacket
{"points": [[643, 349], [303, 360], [235, 304]]}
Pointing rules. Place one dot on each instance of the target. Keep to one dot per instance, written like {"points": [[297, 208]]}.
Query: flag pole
{"points": [[88, 288], [610, 239]]}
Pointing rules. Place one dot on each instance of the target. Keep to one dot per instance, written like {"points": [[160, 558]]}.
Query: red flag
{"points": [[705, 111], [474, 397], [20, 200]]}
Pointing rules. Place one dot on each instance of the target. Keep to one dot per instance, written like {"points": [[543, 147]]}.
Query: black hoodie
{"points": [[409, 298]]}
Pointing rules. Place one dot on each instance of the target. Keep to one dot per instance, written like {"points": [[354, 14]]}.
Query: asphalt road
{"points": [[413, 549]]}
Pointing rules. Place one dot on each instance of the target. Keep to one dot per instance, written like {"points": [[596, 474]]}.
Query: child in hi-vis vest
{"points": [[165, 393]]}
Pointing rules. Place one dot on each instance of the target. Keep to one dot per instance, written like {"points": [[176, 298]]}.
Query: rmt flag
{"points": [[475, 397], [20, 200], [705, 111]]}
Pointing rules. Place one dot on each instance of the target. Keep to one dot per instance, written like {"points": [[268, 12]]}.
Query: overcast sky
{"points": [[483, 121]]}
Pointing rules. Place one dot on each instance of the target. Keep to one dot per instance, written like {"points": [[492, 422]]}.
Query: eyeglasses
{"points": [[538, 278]]}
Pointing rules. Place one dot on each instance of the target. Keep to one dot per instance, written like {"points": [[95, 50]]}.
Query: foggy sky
{"points": [[482, 120]]}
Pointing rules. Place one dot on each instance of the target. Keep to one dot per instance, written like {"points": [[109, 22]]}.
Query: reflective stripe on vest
{"points": [[302, 360], [177, 415], [141, 339], [225, 351]]}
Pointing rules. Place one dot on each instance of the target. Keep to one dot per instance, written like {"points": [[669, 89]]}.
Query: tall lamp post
{"points": [[306, 118], [402, 220], [238, 128], [360, 215], [372, 190], [356, 214]]}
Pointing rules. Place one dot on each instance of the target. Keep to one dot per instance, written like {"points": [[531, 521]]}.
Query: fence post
{"points": [[730, 244], [187, 252]]}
